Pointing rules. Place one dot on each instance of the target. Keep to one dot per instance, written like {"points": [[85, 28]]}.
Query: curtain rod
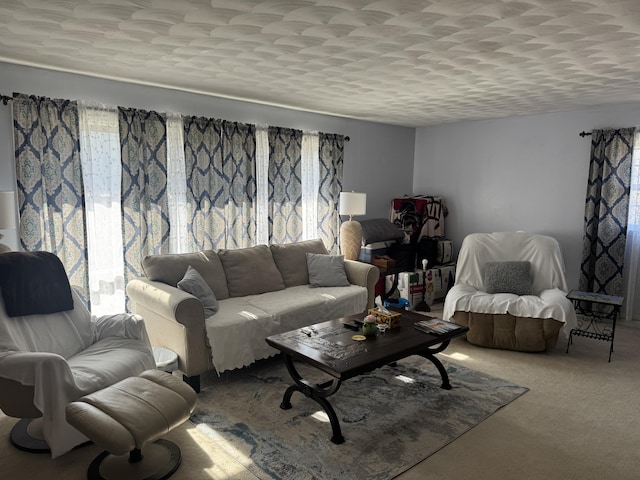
{"points": [[584, 134], [6, 99]]}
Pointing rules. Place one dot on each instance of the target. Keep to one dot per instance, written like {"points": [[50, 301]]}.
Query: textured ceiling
{"points": [[405, 62]]}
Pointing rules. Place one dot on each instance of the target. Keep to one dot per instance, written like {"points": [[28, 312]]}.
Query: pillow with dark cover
{"points": [[193, 283], [326, 270], [33, 283], [379, 230], [508, 277]]}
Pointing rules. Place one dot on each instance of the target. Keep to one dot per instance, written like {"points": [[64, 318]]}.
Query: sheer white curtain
{"points": [[176, 185], [310, 171], [262, 185], [102, 175], [631, 308], [101, 171]]}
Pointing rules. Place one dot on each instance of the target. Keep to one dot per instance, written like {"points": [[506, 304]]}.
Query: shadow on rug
{"points": [[391, 418]]}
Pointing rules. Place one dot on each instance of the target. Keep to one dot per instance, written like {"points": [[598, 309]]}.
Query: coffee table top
{"points": [[331, 348]]}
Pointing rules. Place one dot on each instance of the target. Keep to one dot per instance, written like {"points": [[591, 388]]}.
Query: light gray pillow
{"points": [[291, 260], [169, 268], [326, 270], [508, 277], [250, 271], [193, 283]]}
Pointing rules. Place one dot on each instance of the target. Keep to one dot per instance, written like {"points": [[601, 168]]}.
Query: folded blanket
{"points": [[34, 282]]}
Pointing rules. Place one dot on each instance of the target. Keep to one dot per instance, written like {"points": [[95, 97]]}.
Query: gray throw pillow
{"points": [[193, 283], [250, 271], [169, 268], [291, 260], [508, 277], [326, 270]]}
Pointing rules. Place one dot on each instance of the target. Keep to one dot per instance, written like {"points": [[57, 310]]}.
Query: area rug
{"points": [[391, 418]]}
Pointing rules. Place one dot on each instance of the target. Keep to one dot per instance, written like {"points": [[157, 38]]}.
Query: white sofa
{"points": [[260, 291]]}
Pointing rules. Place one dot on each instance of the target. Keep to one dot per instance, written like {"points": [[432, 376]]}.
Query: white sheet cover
{"points": [[88, 354], [547, 266], [237, 332]]}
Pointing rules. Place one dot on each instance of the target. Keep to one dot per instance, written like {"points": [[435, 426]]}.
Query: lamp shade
{"points": [[352, 203], [7, 210]]}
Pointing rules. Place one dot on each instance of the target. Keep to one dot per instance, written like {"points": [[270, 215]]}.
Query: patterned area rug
{"points": [[391, 418]]}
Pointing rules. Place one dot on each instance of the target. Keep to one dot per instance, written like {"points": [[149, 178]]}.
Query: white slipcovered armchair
{"points": [[502, 306], [52, 351]]}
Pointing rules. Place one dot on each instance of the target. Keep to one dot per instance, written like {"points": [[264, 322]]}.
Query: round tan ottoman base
{"points": [[160, 460]]}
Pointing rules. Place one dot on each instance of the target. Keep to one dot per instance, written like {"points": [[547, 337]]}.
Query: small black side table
{"points": [[597, 316], [385, 271]]}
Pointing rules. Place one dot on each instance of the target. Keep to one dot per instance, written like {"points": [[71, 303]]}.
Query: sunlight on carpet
{"points": [[395, 417]]}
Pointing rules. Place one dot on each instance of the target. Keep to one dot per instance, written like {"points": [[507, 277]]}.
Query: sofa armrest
{"points": [[168, 301], [365, 275], [175, 320]]}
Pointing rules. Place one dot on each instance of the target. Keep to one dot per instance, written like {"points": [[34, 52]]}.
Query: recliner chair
{"points": [[52, 351], [510, 290]]}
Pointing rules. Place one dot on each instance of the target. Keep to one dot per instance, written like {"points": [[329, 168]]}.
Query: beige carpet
{"points": [[392, 418], [579, 420]]}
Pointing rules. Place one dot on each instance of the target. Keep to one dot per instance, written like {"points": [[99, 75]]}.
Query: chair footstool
{"points": [[127, 420]]}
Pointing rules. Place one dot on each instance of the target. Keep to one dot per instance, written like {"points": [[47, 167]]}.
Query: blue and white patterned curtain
{"points": [[331, 167], [285, 185], [221, 183], [50, 189], [606, 211], [145, 208]]}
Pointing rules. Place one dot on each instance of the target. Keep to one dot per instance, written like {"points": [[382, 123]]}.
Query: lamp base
{"points": [[350, 239]]}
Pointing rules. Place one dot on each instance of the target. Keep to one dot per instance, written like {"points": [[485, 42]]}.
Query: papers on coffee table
{"points": [[436, 326]]}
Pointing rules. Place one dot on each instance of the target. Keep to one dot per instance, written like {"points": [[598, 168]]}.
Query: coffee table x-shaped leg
{"points": [[319, 392]]}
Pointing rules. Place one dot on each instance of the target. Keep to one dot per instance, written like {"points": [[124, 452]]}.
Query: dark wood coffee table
{"points": [[329, 347]]}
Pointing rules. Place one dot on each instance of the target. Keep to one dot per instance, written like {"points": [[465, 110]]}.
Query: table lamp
{"points": [[7, 215], [351, 203]]}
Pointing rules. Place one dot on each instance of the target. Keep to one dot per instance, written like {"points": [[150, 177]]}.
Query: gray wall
{"points": [[521, 173], [373, 150]]}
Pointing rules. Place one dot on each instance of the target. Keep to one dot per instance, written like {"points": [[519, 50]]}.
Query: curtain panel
{"points": [[49, 180], [606, 211], [144, 203], [331, 166], [631, 306], [285, 185], [220, 166]]}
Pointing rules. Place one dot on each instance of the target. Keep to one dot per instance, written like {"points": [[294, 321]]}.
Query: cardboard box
{"points": [[448, 278], [410, 287], [383, 261], [433, 285], [367, 252], [444, 250]]}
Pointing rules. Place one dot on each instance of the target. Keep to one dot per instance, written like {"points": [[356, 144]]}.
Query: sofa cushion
{"points": [[193, 283], [508, 277], [237, 332], [250, 271], [326, 270], [291, 260], [170, 268]]}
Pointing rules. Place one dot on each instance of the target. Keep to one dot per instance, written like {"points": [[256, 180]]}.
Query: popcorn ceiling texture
{"points": [[403, 62]]}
